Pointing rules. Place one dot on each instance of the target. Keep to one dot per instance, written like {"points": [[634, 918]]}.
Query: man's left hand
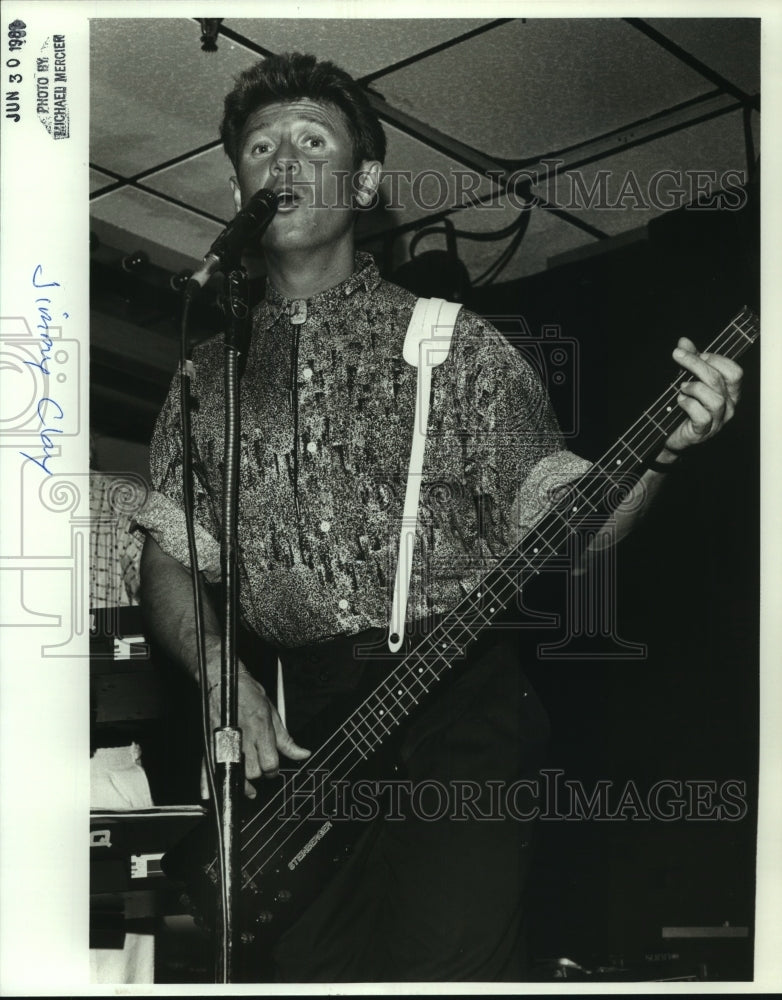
{"points": [[709, 400]]}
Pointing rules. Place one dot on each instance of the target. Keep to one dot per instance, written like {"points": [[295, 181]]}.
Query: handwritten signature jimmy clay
{"points": [[47, 409]]}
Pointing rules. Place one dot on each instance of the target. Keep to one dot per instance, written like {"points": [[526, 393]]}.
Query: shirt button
{"points": [[325, 525], [312, 447], [307, 374], [343, 605]]}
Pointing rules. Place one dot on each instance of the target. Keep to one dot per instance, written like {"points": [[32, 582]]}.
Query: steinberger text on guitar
{"points": [[285, 861]]}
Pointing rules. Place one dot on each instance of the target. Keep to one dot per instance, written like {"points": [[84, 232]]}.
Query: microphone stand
{"points": [[228, 781], [228, 738]]}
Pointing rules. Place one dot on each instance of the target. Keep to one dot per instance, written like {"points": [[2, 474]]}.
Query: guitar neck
{"points": [[582, 504], [656, 423]]}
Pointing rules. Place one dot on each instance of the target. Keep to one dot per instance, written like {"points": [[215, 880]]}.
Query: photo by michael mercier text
{"points": [[548, 796]]}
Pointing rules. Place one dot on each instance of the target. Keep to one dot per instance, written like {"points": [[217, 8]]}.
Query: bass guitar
{"points": [[288, 852]]}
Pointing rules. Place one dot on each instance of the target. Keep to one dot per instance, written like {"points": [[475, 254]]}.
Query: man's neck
{"points": [[304, 274]]}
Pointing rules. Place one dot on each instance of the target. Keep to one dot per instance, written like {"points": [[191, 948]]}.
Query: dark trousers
{"points": [[428, 899]]}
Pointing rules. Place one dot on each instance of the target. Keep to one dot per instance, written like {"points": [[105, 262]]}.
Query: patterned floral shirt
{"points": [[326, 423]]}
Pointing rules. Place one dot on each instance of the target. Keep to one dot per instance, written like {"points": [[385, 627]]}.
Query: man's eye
{"points": [[314, 141], [260, 147]]}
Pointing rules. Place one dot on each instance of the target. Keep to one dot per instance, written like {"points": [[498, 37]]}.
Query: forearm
{"points": [[167, 604], [635, 505]]}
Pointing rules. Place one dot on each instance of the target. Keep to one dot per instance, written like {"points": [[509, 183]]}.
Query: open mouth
{"points": [[286, 200]]}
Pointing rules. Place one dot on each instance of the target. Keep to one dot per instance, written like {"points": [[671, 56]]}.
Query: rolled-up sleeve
{"points": [[519, 454], [541, 488], [163, 515]]}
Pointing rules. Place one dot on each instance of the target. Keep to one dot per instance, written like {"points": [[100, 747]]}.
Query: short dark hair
{"points": [[292, 75]]}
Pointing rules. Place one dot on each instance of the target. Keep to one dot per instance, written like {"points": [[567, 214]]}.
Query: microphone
{"points": [[248, 222]]}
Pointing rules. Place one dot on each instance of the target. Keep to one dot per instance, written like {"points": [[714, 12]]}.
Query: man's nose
{"points": [[285, 160]]}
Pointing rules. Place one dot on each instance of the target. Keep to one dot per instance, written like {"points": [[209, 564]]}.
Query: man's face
{"points": [[302, 151]]}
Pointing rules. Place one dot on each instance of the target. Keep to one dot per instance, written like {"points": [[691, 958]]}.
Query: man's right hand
{"points": [[264, 737], [167, 599]]}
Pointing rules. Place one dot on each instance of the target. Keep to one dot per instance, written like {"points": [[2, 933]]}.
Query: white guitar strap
{"points": [[427, 344]]}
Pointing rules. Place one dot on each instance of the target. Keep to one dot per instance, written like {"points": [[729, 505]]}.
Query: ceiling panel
{"points": [[157, 222], [518, 91], [526, 89], [731, 46], [202, 181], [421, 181], [153, 93], [99, 180], [714, 146], [360, 46]]}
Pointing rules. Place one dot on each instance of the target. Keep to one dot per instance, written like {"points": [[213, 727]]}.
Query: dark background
{"points": [[688, 587]]}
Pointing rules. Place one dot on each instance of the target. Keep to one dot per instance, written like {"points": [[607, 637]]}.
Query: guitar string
{"points": [[499, 598], [549, 546], [509, 584]]}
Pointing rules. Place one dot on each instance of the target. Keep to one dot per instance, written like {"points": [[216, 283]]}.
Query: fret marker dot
{"points": [[420, 670], [619, 461], [492, 610], [399, 691], [381, 711], [534, 550], [668, 409]]}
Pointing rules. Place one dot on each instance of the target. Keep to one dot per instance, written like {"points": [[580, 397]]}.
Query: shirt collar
{"points": [[365, 275]]}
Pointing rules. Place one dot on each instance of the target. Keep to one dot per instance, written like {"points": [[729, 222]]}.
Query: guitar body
{"points": [[296, 835]]}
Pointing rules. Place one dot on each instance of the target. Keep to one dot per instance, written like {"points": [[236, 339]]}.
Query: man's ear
{"points": [[367, 181], [236, 192]]}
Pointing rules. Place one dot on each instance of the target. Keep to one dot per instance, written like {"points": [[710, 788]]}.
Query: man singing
{"points": [[326, 427]]}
